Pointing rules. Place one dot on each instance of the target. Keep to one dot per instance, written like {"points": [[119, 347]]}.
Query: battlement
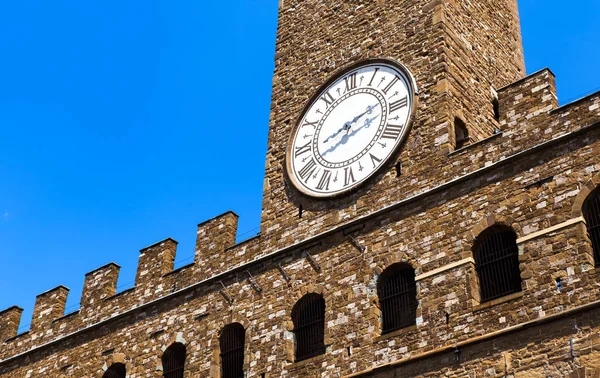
{"points": [[529, 117], [155, 278]]}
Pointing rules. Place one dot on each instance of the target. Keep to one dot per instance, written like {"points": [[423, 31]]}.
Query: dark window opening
{"points": [[461, 133], [399, 169], [300, 211], [232, 342], [308, 316], [496, 106], [591, 213], [173, 361], [115, 371], [397, 291], [497, 263]]}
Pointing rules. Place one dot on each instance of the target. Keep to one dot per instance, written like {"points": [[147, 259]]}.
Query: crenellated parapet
{"points": [[155, 261], [527, 99], [529, 117], [213, 238], [9, 322], [99, 284], [215, 253], [49, 306]]}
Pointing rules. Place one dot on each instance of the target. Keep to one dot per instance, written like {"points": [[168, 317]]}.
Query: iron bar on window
{"points": [[497, 263], [115, 371], [173, 361], [397, 291], [308, 316], [232, 351], [592, 217]]}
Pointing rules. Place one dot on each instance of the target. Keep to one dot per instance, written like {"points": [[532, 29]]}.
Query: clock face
{"points": [[351, 128]]}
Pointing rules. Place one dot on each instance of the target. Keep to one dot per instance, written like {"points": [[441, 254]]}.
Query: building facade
{"points": [[470, 250]]}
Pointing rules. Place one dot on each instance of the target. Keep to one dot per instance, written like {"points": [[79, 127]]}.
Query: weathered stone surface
{"points": [[534, 176]]}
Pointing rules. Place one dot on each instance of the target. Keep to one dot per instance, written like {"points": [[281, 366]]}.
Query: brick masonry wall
{"points": [[533, 177]]}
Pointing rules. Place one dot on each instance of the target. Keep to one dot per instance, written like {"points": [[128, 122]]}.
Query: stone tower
{"points": [[473, 251], [459, 51]]}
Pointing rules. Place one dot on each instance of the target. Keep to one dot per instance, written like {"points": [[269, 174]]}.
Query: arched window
{"points": [[397, 291], [173, 361], [591, 213], [308, 316], [497, 262], [115, 371], [232, 351]]}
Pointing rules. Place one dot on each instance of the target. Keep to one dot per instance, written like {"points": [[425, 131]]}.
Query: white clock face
{"points": [[351, 129]]}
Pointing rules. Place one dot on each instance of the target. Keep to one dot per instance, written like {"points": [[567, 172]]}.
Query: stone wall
{"points": [[534, 190], [532, 175]]}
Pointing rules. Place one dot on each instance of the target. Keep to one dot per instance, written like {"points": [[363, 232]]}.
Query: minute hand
{"points": [[348, 125], [368, 111]]}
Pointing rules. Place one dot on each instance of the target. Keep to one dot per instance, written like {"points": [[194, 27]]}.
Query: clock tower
{"points": [[351, 77]]}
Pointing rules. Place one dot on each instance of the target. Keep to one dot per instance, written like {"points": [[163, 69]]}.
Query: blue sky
{"points": [[125, 122]]}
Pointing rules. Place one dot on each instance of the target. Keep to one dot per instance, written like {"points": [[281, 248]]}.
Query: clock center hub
{"points": [[348, 127]]}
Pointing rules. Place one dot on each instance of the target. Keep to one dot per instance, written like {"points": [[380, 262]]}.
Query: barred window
{"points": [[232, 351], [308, 316], [173, 361], [591, 213], [397, 291], [497, 262], [115, 371]]}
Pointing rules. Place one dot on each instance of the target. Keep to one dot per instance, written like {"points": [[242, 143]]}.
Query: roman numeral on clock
{"points": [[302, 149], [399, 104], [308, 123], [373, 77], [391, 84], [392, 132], [348, 176], [325, 179], [308, 170], [328, 98], [350, 82], [375, 160]]}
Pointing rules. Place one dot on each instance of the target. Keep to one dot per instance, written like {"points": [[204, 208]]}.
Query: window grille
{"points": [[232, 351], [173, 361], [397, 291], [115, 371], [591, 212], [497, 263], [308, 316]]}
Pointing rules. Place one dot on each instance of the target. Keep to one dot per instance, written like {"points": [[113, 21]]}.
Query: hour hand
{"points": [[336, 134]]}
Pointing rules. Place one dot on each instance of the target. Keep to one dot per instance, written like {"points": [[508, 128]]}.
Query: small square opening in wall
{"points": [[461, 133], [399, 169], [559, 284], [496, 106]]}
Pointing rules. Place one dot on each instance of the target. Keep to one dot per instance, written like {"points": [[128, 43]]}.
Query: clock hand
{"points": [[348, 125], [344, 140], [368, 111], [366, 125]]}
